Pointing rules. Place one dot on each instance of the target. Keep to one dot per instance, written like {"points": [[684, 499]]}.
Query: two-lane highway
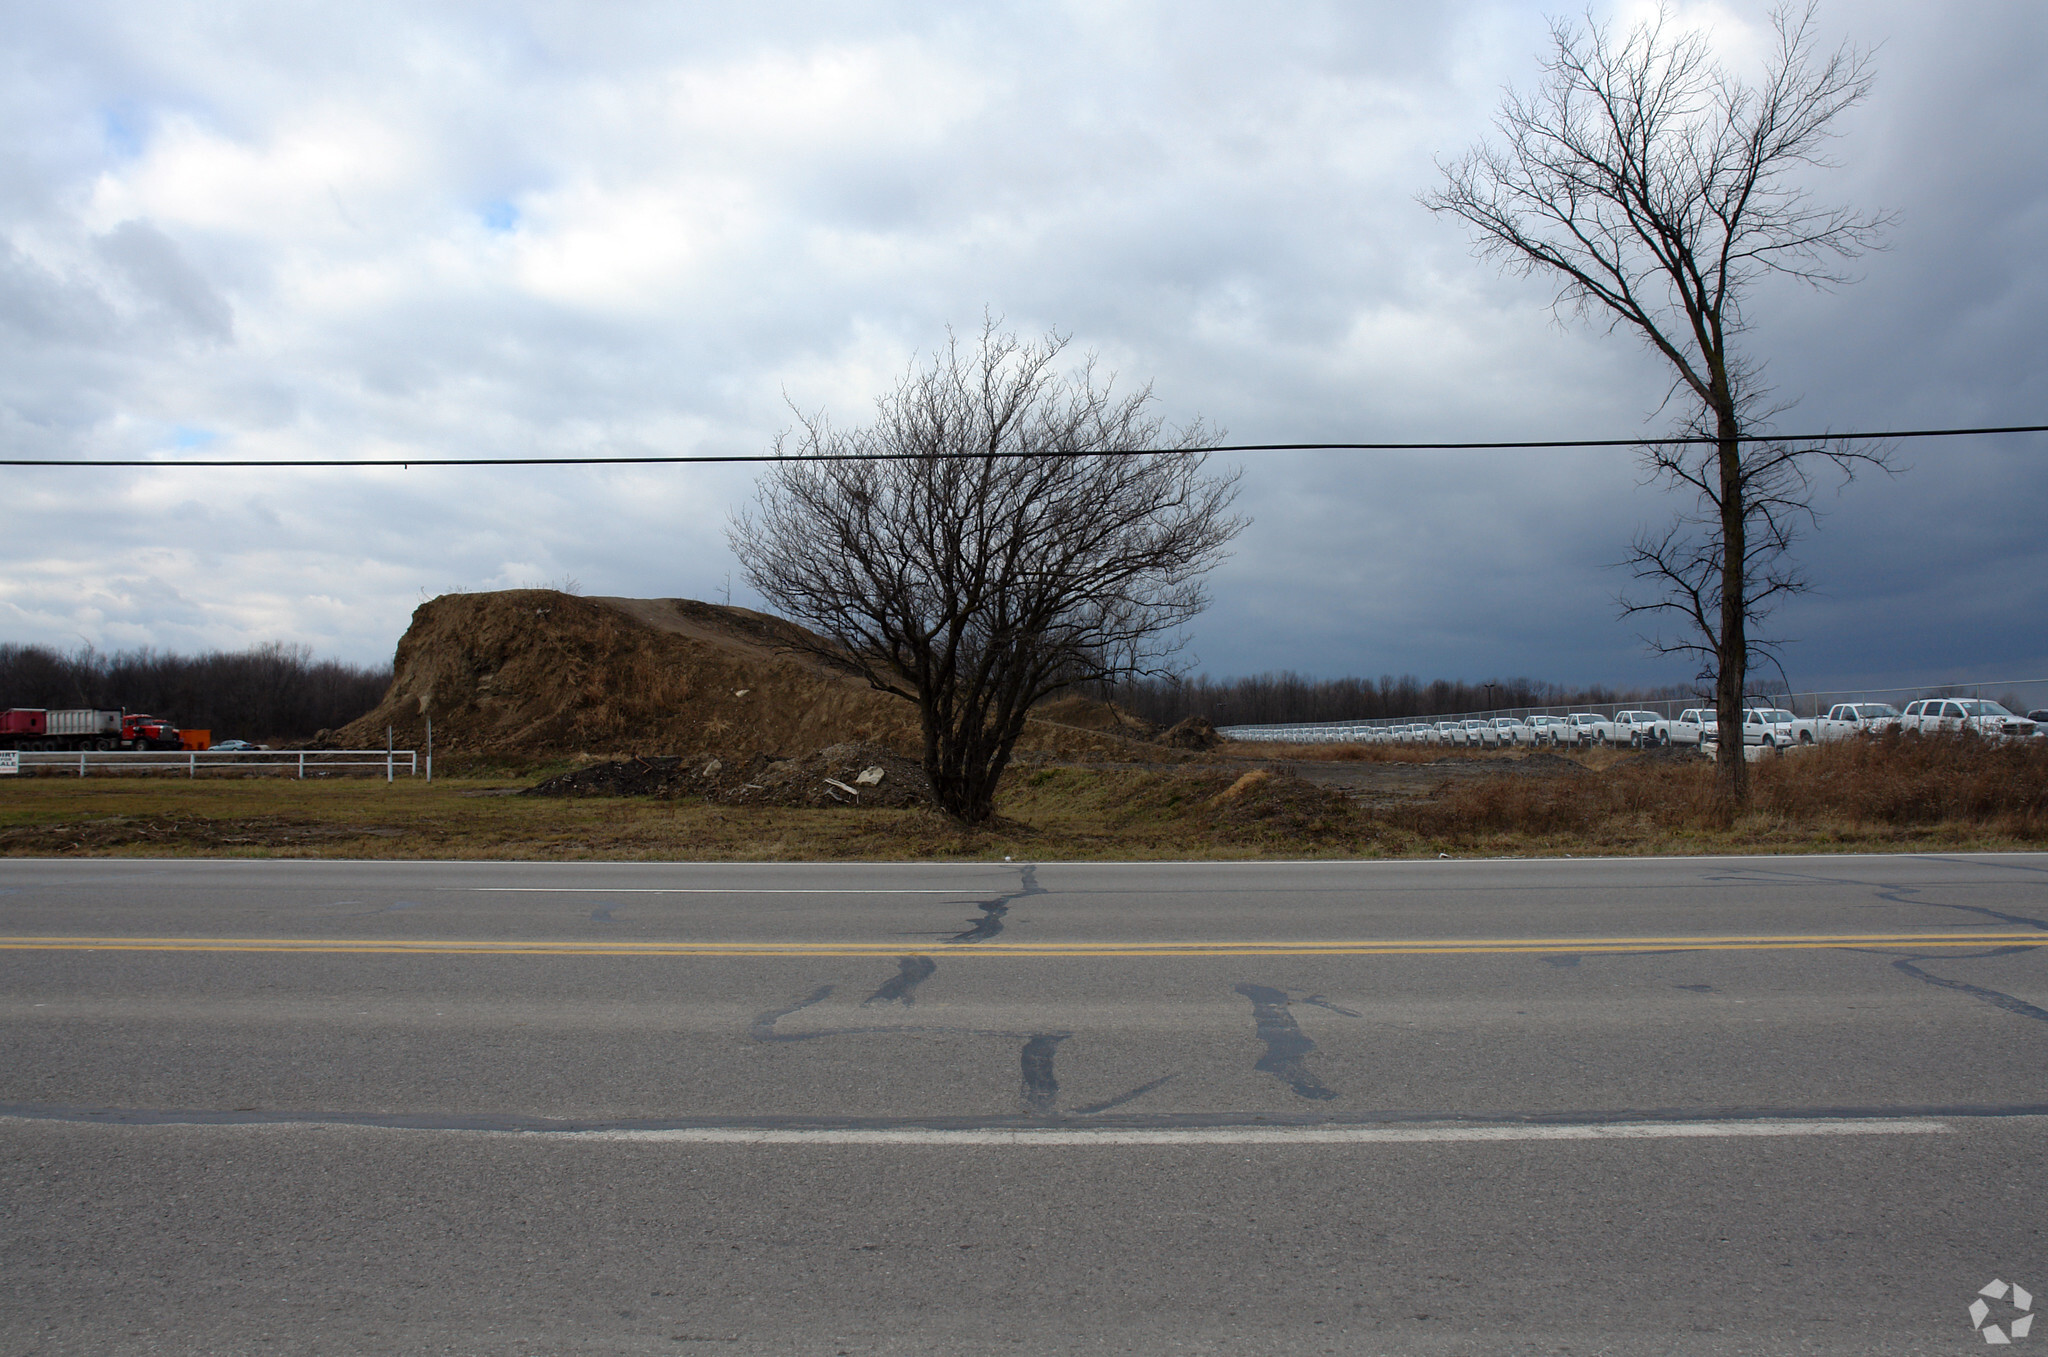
{"points": [[1709, 1105]]}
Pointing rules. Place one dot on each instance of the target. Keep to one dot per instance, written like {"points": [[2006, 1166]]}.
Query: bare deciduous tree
{"points": [[1657, 188], [1001, 531]]}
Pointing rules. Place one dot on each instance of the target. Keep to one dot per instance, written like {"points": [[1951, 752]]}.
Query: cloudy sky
{"points": [[277, 229]]}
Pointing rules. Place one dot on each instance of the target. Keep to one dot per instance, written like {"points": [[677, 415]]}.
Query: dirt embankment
{"points": [[863, 775], [533, 672]]}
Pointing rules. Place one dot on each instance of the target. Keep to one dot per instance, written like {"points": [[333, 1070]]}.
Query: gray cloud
{"points": [[152, 264]]}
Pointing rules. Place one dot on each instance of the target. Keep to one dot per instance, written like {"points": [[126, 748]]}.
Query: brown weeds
{"points": [[1904, 780], [1860, 787], [1912, 793]]}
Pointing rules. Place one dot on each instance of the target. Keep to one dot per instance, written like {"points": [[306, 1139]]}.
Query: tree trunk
{"points": [[1731, 771]]}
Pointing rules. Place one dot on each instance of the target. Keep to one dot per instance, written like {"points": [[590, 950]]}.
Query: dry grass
{"points": [[1896, 791], [1940, 794]]}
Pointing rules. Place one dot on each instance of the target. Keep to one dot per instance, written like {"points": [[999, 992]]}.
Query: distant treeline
{"points": [[274, 692], [1270, 699]]}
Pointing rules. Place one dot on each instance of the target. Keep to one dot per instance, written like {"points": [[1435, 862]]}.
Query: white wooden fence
{"points": [[317, 762]]}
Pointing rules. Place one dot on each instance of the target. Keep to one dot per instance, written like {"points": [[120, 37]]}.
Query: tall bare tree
{"points": [[1657, 188], [1001, 531]]}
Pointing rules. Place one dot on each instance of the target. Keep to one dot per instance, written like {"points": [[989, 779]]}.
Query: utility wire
{"points": [[715, 458]]}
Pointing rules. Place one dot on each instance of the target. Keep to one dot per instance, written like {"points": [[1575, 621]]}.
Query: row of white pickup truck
{"points": [[1772, 727]]}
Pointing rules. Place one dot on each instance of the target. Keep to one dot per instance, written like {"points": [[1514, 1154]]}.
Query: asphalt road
{"points": [[1693, 1106]]}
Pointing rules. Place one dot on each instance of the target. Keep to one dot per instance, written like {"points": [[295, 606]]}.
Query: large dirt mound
{"points": [[536, 672]]}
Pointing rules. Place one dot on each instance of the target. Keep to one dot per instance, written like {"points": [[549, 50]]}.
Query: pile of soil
{"points": [[536, 672], [847, 774], [1195, 732]]}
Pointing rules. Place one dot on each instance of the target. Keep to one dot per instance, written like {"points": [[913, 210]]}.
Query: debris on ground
{"points": [[847, 774]]}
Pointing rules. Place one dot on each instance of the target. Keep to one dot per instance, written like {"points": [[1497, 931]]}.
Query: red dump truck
{"points": [[84, 728]]}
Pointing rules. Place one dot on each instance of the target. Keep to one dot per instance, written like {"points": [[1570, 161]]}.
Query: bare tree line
{"points": [[1287, 698], [271, 692]]}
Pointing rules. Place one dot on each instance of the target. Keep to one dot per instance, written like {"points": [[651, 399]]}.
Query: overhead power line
{"points": [[697, 459]]}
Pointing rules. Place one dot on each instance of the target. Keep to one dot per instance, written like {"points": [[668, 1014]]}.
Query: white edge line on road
{"points": [[710, 890], [1252, 1135], [1054, 1137]]}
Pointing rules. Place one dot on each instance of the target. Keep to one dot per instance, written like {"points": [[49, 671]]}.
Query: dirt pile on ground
{"points": [[537, 672], [1195, 732], [862, 775]]}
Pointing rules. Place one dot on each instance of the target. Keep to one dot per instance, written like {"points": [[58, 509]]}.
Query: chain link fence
{"points": [[2016, 695]]}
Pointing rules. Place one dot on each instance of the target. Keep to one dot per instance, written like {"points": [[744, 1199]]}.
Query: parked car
{"points": [[1934, 715], [1480, 734], [1514, 732], [1770, 727], [234, 747], [1693, 726], [1846, 719], [1786, 729], [1756, 729], [1639, 728], [1591, 728], [1551, 730]]}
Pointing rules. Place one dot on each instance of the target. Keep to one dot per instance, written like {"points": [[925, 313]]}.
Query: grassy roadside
{"points": [[1916, 796]]}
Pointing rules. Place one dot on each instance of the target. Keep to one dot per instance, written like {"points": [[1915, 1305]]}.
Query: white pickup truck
{"points": [[1848, 719], [1693, 726], [1935, 715], [1590, 728], [1757, 727], [1639, 728], [1782, 728], [1551, 730]]}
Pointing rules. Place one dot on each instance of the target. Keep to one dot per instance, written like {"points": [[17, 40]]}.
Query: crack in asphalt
{"points": [[911, 971], [1040, 1085], [992, 911], [1041, 1089], [1996, 998], [1122, 1098], [1286, 1043], [762, 1028]]}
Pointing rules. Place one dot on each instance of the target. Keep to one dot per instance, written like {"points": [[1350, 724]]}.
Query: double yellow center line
{"points": [[1328, 947]]}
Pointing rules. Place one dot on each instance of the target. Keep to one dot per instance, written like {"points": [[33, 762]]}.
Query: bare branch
{"points": [[1655, 188], [977, 578]]}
